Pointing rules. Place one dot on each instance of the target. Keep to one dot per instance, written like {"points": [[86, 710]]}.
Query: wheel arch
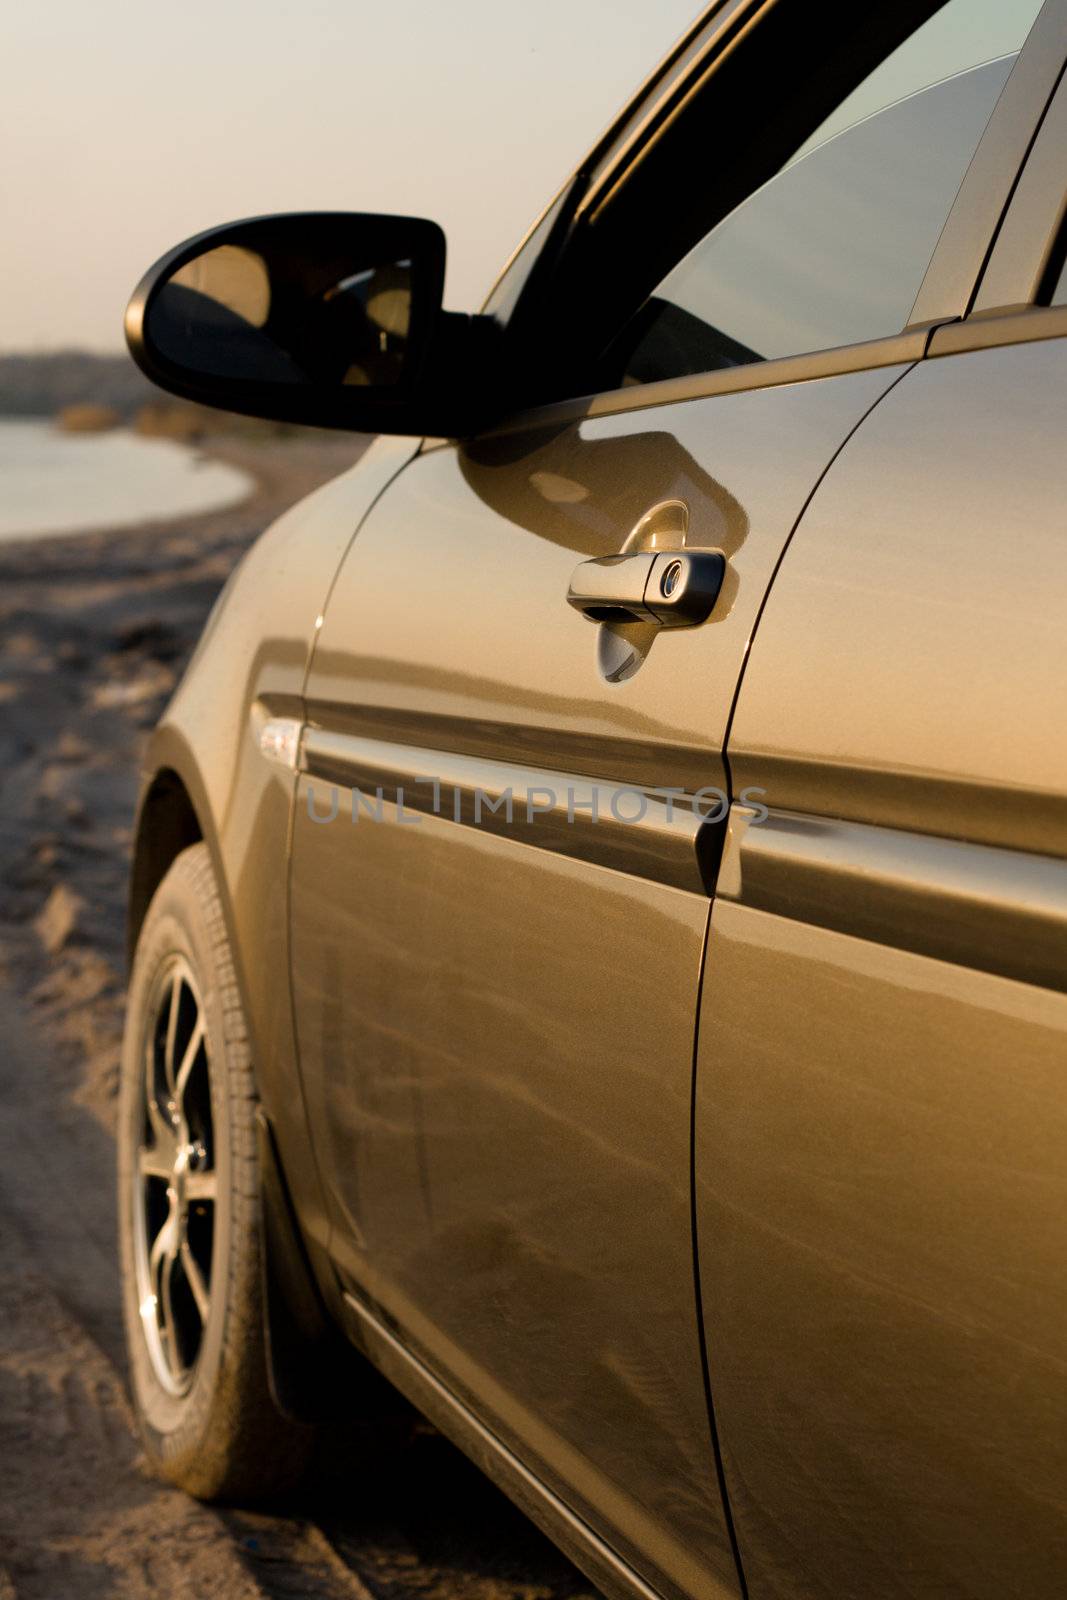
{"points": [[167, 824], [300, 1334]]}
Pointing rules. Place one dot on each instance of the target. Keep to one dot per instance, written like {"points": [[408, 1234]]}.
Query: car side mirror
{"points": [[322, 318]]}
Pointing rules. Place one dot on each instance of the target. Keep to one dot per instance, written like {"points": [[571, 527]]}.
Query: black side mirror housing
{"points": [[324, 318]]}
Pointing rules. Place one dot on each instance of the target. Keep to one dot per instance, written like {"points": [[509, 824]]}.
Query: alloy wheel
{"points": [[175, 1179]]}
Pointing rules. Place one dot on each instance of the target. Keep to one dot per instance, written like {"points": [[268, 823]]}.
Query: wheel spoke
{"points": [[181, 1081], [159, 1120], [201, 1186], [156, 1161], [172, 1030], [164, 1244], [167, 1326], [195, 1279], [161, 1268]]}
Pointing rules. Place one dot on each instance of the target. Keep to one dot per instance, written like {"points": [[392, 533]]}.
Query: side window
{"points": [[833, 249]]}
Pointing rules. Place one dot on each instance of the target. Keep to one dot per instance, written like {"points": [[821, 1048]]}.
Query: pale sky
{"points": [[125, 127]]}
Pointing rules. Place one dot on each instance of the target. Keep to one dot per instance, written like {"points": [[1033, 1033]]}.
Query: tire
{"points": [[189, 1208]]}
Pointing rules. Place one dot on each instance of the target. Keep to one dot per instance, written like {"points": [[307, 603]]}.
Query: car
{"points": [[598, 911]]}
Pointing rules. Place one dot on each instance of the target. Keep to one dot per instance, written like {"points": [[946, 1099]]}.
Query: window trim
{"points": [[645, 109], [897, 349], [1022, 325], [717, 32]]}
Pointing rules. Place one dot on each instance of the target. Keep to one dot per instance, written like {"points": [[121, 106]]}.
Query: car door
{"points": [[881, 1133], [496, 1002]]}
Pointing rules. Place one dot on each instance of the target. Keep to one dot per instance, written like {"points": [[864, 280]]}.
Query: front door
{"points": [[497, 1019]]}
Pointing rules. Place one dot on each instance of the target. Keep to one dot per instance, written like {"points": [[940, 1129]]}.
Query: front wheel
{"points": [[189, 1213]]}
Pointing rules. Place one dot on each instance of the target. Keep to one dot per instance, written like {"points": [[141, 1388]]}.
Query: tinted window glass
{"points": [[833, 249], [1059, 293]]}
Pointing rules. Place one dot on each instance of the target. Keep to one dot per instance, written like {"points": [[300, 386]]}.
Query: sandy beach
{"points": [[94, 632]]}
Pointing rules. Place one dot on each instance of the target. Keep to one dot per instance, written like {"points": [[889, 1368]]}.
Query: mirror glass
{"points": [[258, 310]]}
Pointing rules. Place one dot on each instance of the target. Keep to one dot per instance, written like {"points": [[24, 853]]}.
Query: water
{"points": [[53, 482]]}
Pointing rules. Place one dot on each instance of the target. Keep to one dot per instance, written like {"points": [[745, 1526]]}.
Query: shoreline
{"points": [[61, 482], [95, 631], [280, 471], [271, 467]]}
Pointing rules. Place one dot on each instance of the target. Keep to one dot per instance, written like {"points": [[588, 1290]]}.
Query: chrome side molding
{"points": [[667, 836], [999, 911]]}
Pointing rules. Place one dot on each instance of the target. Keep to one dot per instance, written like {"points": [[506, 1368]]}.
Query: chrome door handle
{"points": [[673, 588]]}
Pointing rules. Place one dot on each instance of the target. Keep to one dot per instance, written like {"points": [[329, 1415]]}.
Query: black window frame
{"points": [[562, 317]]}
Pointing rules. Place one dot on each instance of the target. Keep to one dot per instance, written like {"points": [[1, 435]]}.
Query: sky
{"points": [[126, 127]]}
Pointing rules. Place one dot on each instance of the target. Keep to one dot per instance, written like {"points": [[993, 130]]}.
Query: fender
{"points": [[204, 757]]}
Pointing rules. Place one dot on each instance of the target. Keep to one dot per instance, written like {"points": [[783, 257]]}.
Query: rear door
{"points": [[496, 1003], [881, 1135]]}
